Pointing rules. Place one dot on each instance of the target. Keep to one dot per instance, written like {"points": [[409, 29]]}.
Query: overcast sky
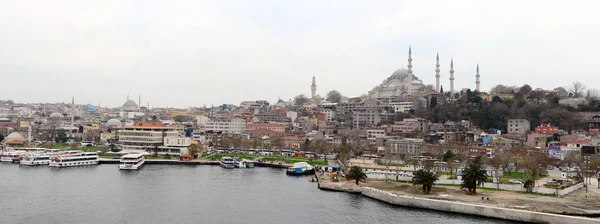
{"points": [[195, 53]]}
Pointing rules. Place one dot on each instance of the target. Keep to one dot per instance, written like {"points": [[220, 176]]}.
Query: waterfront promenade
{"points": [[488, 202]]}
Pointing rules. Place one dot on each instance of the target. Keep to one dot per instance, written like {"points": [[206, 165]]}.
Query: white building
{"points": [[518, 126], [407, 146], [174, 146], [201, 120], [330, 114], [233, 126], [146, 136], [411, 125], [375, 133]]}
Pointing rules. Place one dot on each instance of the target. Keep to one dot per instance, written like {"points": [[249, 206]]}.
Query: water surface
{"points": [[189, 194]]}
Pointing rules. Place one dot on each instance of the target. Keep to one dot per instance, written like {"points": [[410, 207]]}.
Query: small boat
{"points": [[32, 159], [300, 168], [131, 162], [249, 164], [239, 164], [227, 162]]}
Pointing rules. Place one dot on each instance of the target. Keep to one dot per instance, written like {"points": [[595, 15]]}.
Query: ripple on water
{"points": [[189, 194]]}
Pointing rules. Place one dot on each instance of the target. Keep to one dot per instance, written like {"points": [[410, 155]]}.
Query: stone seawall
{"points": [[472, 209]]}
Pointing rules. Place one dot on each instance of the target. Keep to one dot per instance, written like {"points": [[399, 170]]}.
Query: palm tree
{"points": [[473, 175], [357, 174], [425, 178]]}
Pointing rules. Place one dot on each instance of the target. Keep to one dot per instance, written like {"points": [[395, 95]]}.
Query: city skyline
{"points": [[194, 54]]}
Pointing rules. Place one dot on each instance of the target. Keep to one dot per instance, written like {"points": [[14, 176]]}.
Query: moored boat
{"points": [[33, 159], [300, 168], [239, 164], [227, 162], [131, 162], [75, 159], [10, 156]]}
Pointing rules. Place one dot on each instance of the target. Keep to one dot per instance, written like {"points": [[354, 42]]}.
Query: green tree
{"points": [[276, 143], [194, 149], [473, 175], [448, 156], [424, 178], [225, 142], [357, 174], [334, 96]]}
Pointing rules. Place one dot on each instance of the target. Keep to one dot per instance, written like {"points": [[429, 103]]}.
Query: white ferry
{"points": [[131, 162], [78, 159], [10, 156], [227, 162], [30, 159]]}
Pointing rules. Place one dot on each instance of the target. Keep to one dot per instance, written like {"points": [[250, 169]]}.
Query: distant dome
{"points": [[14, 135], [130, 105], [56, 115], [114, 123], [90, 109]]}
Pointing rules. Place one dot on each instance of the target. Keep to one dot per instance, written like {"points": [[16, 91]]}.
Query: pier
{"points": [[196, 162]]}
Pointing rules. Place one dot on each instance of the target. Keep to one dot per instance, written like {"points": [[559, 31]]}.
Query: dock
{"points": [[195, 163]]}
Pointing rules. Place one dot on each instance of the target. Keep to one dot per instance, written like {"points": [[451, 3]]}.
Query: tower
{"points": [[73, 110], [410, 73], [313, 88], [437, 72], [451, 78], [139, 102], [477, 82]]}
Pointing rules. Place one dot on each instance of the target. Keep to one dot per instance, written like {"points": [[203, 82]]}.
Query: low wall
{"points": [[476, 210]]}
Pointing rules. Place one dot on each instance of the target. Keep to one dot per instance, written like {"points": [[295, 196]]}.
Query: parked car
{"points": [[514, 181], [551, 183]]}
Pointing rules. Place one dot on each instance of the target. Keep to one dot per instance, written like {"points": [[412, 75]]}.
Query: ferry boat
{"points": [[300, 168], [131, 162], [10, 156], [78, 159], [227, 162], [30, 159]]}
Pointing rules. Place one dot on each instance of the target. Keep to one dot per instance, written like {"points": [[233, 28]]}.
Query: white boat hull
{"points": [[131, 166], [35, 163], [6, 159], [75, 163]]}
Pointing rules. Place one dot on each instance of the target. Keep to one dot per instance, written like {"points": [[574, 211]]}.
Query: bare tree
{"points": [[497, 163], [592, 93], [577, 89]]}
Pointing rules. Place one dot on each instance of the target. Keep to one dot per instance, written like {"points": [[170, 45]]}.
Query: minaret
{"points": [[451, 78], [410, 73], [437, 72], [139, 102], [477, 82], [73, 110], [313, 88]]}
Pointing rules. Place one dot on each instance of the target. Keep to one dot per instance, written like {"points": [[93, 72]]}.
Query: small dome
{"points": [[114, 123], [90, 109], [14, 135], [56, 115]]}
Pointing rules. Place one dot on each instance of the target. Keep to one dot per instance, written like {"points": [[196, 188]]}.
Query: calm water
{"points": [[188, 194]]}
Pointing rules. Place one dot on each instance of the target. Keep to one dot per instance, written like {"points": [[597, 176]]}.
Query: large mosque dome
{"points": [[114, 123], [130, 105], [397, 85], [57, 115], [14, 135]]}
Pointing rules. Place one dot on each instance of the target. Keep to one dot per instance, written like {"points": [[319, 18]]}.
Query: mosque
{"points": [[130, 109], [403, 83]]}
